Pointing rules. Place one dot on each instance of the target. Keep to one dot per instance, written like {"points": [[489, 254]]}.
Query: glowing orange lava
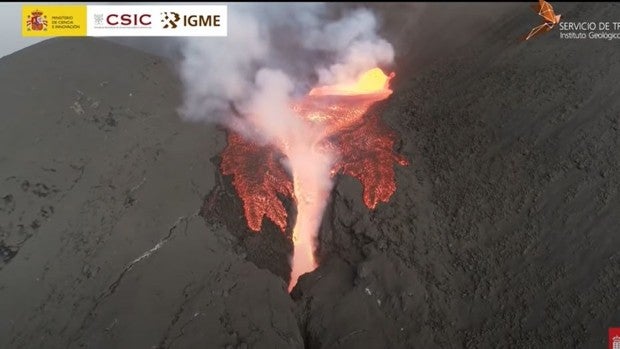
{"points": [[370, 82], [361, 146]]}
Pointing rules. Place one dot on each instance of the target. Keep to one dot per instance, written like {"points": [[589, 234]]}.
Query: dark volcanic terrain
{"points": [[117, 230]]}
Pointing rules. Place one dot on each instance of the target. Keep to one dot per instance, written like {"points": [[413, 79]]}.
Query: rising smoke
{"points": [[248, 81], [272, 54]]}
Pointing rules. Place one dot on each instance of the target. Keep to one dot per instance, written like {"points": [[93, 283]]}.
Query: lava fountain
{"points": [[339, 138]]}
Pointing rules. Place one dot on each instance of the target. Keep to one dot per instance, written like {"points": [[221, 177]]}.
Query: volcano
{"points": [[118, 229], [362, 145]]}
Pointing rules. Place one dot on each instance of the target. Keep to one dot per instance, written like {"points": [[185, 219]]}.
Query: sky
{"points": [[11, 39]]}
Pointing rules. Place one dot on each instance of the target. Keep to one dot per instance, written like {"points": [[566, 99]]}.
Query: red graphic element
{"points": [[550, 19], [614, 338], [36, 21]]}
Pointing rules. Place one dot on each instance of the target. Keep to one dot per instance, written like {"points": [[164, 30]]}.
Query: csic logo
{"points": [[36, 21], [172, 20], [122, 20]]}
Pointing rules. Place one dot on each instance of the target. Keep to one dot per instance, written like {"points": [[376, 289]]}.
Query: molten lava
{"points": [[371, 82], [258, 178], [342, 141]]}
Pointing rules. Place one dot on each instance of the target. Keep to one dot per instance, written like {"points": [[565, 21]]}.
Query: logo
{"points": [[614, 338], [170, 19], [36, 21], [60, 20], [173, 19], [156, 20], [122, 20], [98, 19], [590, 30], [550, 19]]}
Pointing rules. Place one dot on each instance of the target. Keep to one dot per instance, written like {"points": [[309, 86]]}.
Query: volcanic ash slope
{"points": [[100, 186], [503, 231]]}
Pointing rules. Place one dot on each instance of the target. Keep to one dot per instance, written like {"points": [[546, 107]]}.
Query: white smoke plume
{"points": [[247, 81], [274, 53]]}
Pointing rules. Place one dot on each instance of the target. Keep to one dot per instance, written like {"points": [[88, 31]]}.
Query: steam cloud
{"points": [[272, 54], [247, 81]]}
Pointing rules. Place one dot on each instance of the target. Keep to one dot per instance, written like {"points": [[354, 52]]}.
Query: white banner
{"points": [[157, 20]]}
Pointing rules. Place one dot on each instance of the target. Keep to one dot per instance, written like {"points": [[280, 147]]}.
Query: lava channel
{"points": [[349, 141]]}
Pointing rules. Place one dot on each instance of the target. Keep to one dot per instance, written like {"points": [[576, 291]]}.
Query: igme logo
{"points": [[170, 19], [173, 19]]}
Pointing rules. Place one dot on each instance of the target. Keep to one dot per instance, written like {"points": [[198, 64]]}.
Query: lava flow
{"points": [[341, 140]]}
